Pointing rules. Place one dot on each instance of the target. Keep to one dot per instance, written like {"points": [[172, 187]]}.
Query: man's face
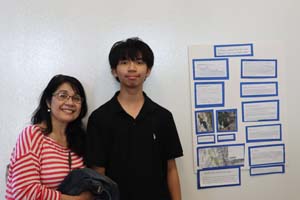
{"points": [[131, 73]]}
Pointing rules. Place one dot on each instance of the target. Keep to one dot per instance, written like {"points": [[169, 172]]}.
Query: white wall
{"points": [[43, 38]]}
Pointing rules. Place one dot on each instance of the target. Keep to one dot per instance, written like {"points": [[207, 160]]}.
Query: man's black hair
{"points": [[132, 49]]}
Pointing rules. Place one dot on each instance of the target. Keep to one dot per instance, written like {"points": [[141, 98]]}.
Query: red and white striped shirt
{"points": [[37, 166]]}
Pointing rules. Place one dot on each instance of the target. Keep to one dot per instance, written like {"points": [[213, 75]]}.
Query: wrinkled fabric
{"points": [[86, 179]]}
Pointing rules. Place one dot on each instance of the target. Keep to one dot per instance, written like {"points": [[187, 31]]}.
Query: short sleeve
{"points": [[172, 147]]}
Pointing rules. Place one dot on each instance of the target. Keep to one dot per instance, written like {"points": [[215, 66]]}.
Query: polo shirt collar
{"points": [[116, 106], [148, 106]]}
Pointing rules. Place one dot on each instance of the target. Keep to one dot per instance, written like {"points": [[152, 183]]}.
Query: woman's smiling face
{"points": [[64, 110]]}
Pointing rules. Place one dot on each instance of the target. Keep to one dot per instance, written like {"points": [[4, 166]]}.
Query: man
{"points": [[131, 139]]}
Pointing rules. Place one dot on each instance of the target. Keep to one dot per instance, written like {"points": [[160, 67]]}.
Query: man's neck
{"points": [[131, 101], [130, 95]]}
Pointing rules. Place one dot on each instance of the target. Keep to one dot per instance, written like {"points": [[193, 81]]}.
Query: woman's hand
{"points": [[86, 196], [82, 196]]}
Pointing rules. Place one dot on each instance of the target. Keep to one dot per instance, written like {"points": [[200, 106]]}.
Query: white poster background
{"points": [[232, 99]]}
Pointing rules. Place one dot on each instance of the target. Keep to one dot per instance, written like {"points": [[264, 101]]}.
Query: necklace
{"points": [[70, 160]]}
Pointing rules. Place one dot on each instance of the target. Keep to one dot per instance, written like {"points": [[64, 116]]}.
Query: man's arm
{"points": [[173, 180]]}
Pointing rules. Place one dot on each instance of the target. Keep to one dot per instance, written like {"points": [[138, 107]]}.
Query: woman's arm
{"points": [[24, 178]]}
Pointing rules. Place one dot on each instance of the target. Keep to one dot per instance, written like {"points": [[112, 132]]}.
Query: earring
{"points": [[48, 110]]}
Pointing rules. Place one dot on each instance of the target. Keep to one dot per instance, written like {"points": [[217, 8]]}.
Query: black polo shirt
{"points": [[134, 152]]}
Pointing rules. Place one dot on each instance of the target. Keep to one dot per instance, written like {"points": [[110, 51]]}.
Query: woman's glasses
{"points": [[63, 96]]}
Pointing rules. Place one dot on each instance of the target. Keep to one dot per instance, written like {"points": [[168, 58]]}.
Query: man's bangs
{"points": [[131, 54]]}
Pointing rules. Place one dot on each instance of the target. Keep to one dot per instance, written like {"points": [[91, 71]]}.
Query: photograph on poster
{"points": [[210, 69], [220, 156], [226, 120], [204, 121], [258, 68]]}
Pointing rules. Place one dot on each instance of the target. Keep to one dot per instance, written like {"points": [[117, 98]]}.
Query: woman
{"points": [[52, 146]]}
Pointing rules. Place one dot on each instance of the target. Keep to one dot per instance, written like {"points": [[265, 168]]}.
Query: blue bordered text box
{"points": [[258, 89], [233, 50], [258, 68], [254, 111], [265, 170], [210, 69], [209, 94], [226, 137], [206, 139], [222, 177], [264, 133], [266, 154]]}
